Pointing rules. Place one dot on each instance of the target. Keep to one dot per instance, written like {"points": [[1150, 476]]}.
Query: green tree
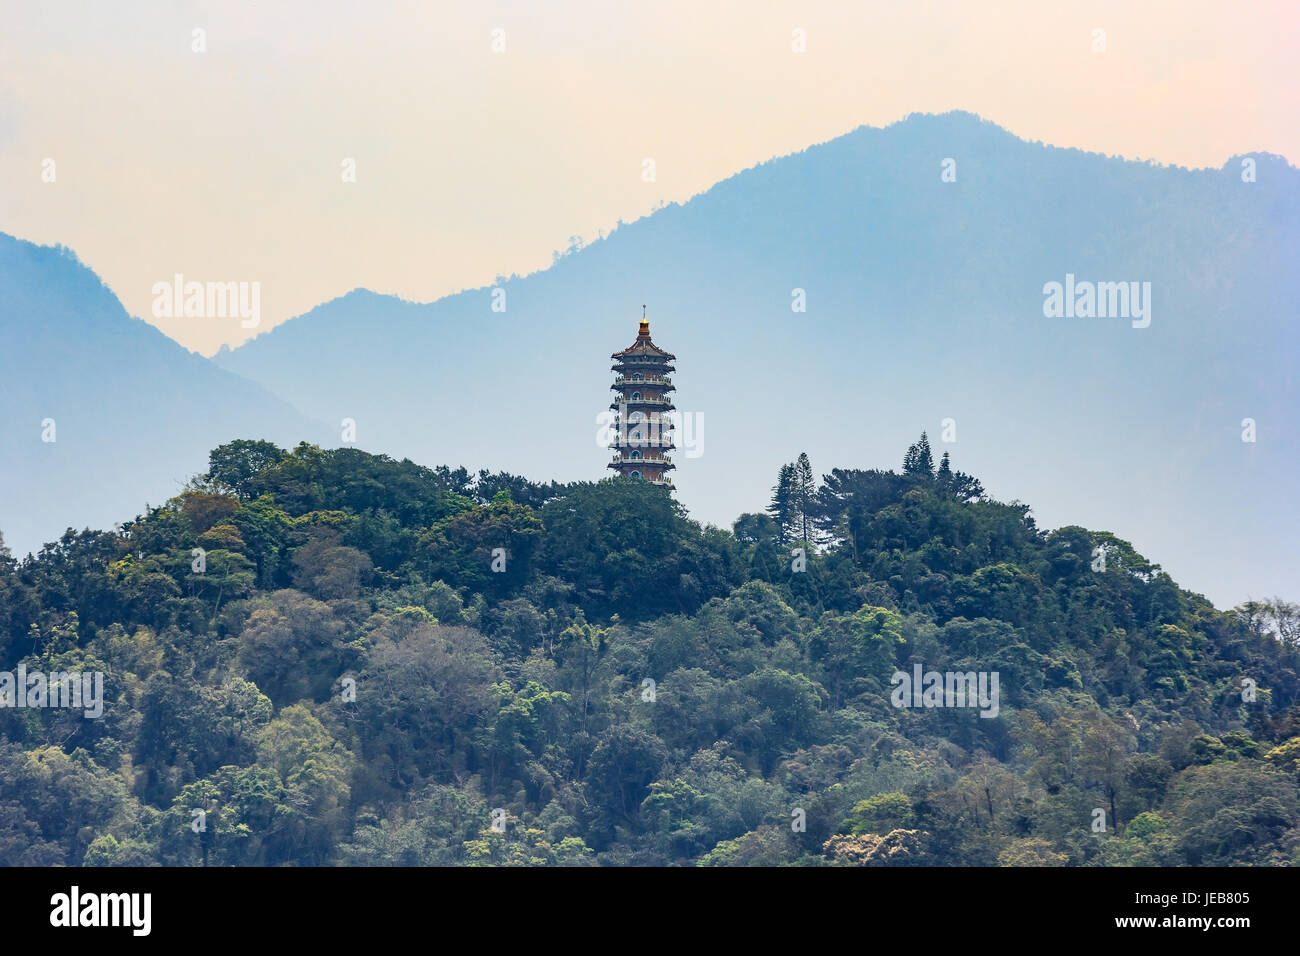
{"points": [[294, 648], [237, 465], [805, 491], [919, 461], [784, 508]]}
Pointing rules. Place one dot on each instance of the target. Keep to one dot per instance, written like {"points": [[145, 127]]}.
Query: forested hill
{"points": [[851, 276], [330, 657]]}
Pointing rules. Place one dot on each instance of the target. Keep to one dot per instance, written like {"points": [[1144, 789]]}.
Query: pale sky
{"points": [[225, 165]]}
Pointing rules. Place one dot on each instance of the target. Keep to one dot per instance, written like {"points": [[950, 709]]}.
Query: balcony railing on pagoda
{"points": [[659, 380], [654, 416], [656, 402], [660, 463], [642, 430], [666, 444], [657, 425]]}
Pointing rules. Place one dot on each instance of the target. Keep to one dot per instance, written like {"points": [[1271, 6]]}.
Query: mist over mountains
{"points": [[131, 414], [924, 302]]}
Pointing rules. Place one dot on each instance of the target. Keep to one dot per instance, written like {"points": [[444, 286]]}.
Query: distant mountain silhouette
{"points": [[924, 302], [924, 299], [134, 414]]}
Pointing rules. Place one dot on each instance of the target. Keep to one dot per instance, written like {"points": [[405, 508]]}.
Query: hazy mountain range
{"points": [[924, 302], [131, 414]]}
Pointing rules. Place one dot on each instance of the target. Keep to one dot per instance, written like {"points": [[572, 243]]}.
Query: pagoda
{"points": [[642, 400]]}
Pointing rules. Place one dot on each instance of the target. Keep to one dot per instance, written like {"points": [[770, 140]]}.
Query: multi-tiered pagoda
{"points": [[642, 429]]}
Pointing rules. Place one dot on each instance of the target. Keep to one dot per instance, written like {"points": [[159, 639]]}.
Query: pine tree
{"points": [[783, 507], [805, 489], [919, 462], [926, 459], [965, 487], [945, 469]]}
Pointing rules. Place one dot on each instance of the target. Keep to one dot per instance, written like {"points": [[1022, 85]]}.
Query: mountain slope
{"points": [[133, 413]]}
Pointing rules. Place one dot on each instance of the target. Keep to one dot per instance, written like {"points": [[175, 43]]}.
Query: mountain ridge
{"points": [[906, 276], [1273, 160], [924, 304], [130, 412]]}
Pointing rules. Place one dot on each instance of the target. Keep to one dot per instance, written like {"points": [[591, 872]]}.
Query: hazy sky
{"points": [[227, 164]]}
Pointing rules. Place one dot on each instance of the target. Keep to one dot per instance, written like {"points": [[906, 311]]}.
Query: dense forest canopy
{"points": [[329, 657]]}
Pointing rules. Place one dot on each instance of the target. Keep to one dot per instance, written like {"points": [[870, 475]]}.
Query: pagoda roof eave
{"points": [[635, 351]]}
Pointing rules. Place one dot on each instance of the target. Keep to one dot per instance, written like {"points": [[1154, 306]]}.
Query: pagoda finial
{"points": [[645, 323]]}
